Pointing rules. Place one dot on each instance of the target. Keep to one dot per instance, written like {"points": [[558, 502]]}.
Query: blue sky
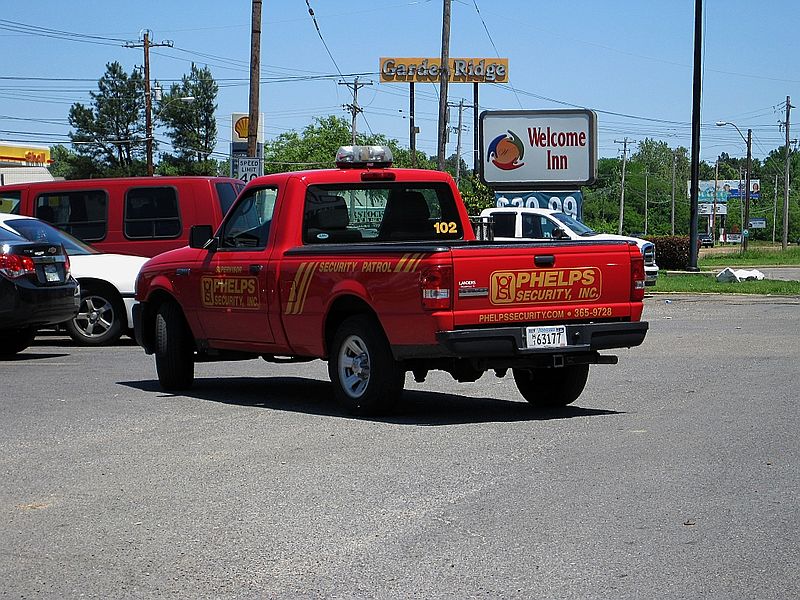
{"points": [[629, 58]]}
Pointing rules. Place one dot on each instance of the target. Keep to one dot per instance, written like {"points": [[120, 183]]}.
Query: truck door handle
{"points": [[256, 269], [544, 260]]}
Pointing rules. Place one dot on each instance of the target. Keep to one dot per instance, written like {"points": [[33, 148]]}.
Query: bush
{"points": [[672, 251]]}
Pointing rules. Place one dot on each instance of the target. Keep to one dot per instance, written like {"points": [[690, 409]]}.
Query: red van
{"points": [[142, 216]]}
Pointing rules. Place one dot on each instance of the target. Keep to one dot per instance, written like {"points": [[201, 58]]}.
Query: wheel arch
{"points": [[156, 300], [344, 306]]}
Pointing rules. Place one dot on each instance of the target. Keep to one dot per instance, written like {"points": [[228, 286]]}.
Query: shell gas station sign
{"points": [[24, 155]]}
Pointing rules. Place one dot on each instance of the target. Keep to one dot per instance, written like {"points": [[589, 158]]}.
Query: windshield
{"points": [[39, 231], [574, 224]]}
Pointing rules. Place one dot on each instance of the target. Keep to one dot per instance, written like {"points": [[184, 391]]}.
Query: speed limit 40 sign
{"points": [[248, 168]]}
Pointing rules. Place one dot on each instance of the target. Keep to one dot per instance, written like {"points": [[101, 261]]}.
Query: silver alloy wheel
{"points": [[354, 366], [95, 316]]}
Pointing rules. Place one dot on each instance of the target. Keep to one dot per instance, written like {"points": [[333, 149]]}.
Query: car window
{"points": [[82, 213], [546, 226], [7, 236], [351, 213], [532, 226], [226, 193], [248, 223], [35, 230]]}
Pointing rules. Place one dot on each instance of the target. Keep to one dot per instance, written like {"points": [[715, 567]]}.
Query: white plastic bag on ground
{"points": [[729, 275]]}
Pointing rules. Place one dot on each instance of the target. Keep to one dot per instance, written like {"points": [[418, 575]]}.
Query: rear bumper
{"points": [[23, 305], [509, 342]]}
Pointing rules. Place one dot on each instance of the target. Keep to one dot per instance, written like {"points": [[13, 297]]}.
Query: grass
{"points": [[752, 258], [692, 284]]}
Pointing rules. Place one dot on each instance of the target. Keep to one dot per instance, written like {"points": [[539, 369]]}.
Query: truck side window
{"points": [[248, 222], [504, 224], [9, 202], [547, 227], [84, 213], [152, 212], [532, 226]]}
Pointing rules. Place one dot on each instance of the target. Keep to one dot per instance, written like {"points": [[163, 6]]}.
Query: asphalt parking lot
{"points": [[673, 476]]}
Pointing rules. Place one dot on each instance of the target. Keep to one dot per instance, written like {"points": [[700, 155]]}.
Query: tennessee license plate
{"points": [[51, 273], [552, 336]]}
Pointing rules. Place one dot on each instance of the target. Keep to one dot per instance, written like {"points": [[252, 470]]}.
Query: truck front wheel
{"points": [[174, 353], [551, 388], [366, 378]]}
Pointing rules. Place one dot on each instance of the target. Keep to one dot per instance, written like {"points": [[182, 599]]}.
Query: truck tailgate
{"points": [[533, 283]]}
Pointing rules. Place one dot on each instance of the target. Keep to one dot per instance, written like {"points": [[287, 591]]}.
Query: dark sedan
{"points": [[36, 289], [705, 240]]}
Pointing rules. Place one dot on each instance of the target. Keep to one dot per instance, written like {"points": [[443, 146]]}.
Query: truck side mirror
{"points": [[200, 235], [558, 233]]}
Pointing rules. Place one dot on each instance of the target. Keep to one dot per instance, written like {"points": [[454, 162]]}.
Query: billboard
{"points": [[570, 203], [428, 70], [538, 149], [727, 189]]}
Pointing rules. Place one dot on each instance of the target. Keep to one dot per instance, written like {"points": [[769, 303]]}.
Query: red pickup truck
{"points": [[378, 271]]}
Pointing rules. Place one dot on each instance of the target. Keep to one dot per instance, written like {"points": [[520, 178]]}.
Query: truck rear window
{"points": [[397, 212]]}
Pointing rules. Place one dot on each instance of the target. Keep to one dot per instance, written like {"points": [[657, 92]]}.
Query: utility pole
{"points": [[774, 208], [146, 43], [622, 193], [354, 108], [713, 221], [444, 74], [697, 83], [746, 219], [645, 202], [672, 212], [412, 127], [785, 239], [255, 80], [461, 106]]}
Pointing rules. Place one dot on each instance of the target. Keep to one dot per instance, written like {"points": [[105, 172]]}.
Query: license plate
{"points": [[51, 273], [553, 336]]}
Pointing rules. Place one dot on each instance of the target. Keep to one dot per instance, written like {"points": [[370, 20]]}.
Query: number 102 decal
{"points": [[446, 227]]}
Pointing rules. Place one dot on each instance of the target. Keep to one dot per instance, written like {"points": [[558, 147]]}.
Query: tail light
{"points": [[15, 266], [66, 263], [637, 275], [436, 287]]}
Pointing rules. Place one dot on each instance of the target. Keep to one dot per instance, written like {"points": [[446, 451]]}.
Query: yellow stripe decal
{"points": [[415, 260], [399, 266], [306, 285], [294, 294]]}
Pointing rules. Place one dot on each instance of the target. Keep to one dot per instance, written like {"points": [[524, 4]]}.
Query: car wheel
{"points": [[100, 318], [14, 341], [174, 349], [551, 388], [366, 378]]}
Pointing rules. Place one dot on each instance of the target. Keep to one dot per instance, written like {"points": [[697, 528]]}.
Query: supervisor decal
{"points": [[229, 292], [583, 284]]}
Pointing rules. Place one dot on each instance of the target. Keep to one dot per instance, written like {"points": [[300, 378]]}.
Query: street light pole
{"points": [[746, 215]]}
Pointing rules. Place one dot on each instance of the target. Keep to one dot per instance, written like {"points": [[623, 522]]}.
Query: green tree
{"points": [[191, 125], [111, 131]]}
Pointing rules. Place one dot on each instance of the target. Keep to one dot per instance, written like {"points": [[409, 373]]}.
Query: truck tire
{"points": [[14, 341], [551, 388], [366, 378], [174, 352], [100, 318]]}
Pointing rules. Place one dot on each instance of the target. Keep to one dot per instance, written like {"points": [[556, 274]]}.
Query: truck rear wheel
{"points": [[174, 353], [366, 378], [551, 388]]}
